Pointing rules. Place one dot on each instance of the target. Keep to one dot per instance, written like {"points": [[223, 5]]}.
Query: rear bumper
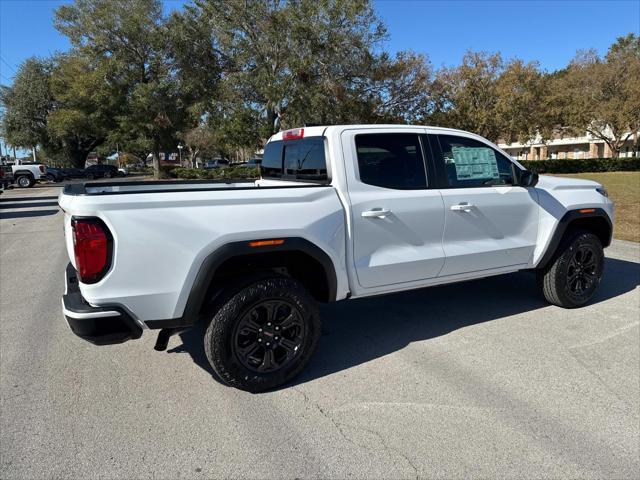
{"points": [[98, 325]]}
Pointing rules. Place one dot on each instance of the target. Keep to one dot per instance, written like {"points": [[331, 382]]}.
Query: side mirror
{"points": [[528, 178]]}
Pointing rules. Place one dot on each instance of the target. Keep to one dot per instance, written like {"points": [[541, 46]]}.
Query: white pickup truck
{"points": [[26, 175], [339, 212]]}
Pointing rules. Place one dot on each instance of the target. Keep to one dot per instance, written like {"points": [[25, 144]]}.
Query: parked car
{"points": [[27, 174], [253, 163], [101, 170], [55, 174], [217, 163], [340, 212], [123, 171], [74, 172]]}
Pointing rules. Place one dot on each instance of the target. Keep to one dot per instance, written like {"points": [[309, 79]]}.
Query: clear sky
{"points": [[545, 30]]}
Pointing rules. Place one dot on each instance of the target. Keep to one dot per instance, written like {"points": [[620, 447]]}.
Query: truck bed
{"points": [[163, 230]]}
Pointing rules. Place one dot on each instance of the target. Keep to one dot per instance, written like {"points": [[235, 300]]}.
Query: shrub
{"points": [[582, 165], [166, 171], [220, 174], [141, 170]]}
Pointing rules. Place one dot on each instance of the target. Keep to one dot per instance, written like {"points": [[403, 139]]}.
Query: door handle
{"points": [[376, 213], [462, 207]]}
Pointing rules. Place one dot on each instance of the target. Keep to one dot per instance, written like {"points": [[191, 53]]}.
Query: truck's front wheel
{"points": [[263, 335], [572, 278]]}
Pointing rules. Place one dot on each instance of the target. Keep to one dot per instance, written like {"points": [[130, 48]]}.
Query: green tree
{"points": [[85, 108], [195, 61], [520, 106], [496, 99], [291, 63], [602, 95], [466, 96], [128, 38], [27, 104], [626, 50], [201, 140]]}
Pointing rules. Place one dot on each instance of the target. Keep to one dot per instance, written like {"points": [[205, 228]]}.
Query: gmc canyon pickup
{"points": [[339, 212], [26, 175]]}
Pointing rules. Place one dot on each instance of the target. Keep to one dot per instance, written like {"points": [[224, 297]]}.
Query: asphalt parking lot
{"points": [[475, 380]]}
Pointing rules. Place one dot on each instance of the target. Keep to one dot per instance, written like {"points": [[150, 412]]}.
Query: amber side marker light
{"points": [[266, 243], [587, 210]]}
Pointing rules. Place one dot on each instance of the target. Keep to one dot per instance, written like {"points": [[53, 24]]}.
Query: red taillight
{"points": [[41, 167], [92, 249], [295, 134]]}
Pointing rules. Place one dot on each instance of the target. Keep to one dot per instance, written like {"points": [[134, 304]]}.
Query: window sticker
{"points": [[473, 163]]}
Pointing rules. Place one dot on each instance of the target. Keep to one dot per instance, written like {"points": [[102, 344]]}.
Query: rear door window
{"points": [[302, 160], [272, 160], [391, 160]]}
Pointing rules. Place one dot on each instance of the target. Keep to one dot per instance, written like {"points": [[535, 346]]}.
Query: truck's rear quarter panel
{"points": [[161, 239]]}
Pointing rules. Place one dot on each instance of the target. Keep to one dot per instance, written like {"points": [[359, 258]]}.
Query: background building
{"points": [[561, 147]]}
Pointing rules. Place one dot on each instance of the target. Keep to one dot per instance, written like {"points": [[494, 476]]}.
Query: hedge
{"points": [[235, 173], [582, 165], [141, 170], [540, 166]]}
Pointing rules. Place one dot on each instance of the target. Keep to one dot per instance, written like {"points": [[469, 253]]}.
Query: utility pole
{"points": [[34, 155]]}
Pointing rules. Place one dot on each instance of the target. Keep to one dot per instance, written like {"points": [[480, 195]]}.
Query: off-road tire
{"points": [[233, 306], [555, 279]]}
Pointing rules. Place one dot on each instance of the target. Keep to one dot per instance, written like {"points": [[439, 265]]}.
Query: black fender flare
{"points": [[209, 266], [565, 223]]}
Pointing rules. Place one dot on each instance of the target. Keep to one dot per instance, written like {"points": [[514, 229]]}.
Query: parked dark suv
{"points": [[101, 171], [55, 174]]}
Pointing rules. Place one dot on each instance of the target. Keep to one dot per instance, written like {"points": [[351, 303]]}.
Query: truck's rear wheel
{"points": [[572, 278], [263, 335], [25, 181]]}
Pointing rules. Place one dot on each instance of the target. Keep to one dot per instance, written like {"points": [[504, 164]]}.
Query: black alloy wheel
{"points": [[262, 333], [572, 278], [582, 270], [269, 335]]}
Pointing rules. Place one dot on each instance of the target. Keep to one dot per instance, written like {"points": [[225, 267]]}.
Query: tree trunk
{"points": [[272, 116], [194, 155], [79, 157], [156, 159], [615, 150]]}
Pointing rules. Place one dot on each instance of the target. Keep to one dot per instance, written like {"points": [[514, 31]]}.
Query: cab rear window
{"points": [[302, 160]]}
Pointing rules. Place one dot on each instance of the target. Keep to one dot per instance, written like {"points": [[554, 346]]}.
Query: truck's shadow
{"points": [[5, 205], [27, 214], [27, 199], [357, 331]]}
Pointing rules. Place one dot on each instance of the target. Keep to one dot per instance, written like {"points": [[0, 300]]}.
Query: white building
{"points": [[561, 147]]}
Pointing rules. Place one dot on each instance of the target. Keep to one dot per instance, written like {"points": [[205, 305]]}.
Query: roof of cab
{"points": [[318, 131]]}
